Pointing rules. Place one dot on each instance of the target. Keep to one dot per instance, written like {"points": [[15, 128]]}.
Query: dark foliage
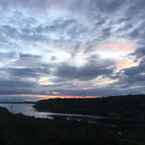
{"points": [[22, 130], [117, 106]]}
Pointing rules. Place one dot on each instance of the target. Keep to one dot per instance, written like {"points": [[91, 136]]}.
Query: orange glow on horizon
{"points": [[59, 96], [68, 97]]}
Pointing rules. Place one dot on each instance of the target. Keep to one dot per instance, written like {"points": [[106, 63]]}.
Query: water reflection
{"points": [[26, 109], [29, 110]]}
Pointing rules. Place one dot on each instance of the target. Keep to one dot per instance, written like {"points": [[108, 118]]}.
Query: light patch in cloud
{"points": [[126, 63], [105, 81], [79, 59], [115, 49], [44, 81]]}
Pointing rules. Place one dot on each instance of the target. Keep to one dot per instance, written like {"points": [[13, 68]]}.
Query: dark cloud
{"points": [[7, 56], [95, 92], [15, 86], [28, 72], [28, 61], [107, 6], [86, 72], [26, 34]]}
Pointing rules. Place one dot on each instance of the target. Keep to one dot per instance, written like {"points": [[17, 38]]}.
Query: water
{"points": [[29, 110], [26, 109]]}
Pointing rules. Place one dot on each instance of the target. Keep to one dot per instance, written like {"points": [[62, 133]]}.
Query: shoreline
{"points": [[16, 129]]}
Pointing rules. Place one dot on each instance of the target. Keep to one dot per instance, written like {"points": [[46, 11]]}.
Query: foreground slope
{"points": [[22, 130]]}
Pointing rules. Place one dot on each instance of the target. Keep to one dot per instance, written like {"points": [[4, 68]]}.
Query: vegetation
{"points": [[123, 115], [132, 106], [22, 130]]}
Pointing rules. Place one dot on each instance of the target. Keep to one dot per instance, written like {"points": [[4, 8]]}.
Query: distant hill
{"points": [[131, 106]]}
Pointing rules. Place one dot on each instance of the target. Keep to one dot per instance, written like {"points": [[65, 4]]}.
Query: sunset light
{"points": [[72, 72], [115, 49]]}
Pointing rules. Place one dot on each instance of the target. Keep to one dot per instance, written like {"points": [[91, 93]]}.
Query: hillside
{"points": [[22, 130], [116, 106]]}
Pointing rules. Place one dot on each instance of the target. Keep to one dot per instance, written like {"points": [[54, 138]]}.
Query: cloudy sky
{"points": [[72, 47]]}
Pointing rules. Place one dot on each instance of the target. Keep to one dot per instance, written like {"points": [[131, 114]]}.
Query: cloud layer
{"points": [[72, 47]]}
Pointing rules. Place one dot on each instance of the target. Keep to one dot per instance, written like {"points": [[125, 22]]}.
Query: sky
{"points": [[72, 47]]}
